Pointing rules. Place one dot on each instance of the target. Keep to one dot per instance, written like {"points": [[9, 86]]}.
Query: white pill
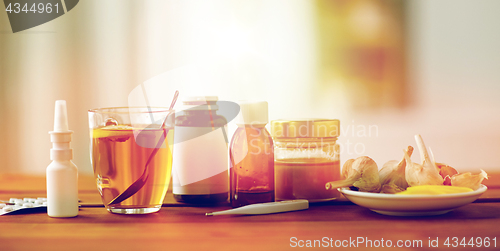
{"points": [[28, 204], [19, 201], [32, 200], [42, 198], [45, 203], [2, 205], [8, 208], [38, 202], [27, 199], [12, 200], [19, 204]]}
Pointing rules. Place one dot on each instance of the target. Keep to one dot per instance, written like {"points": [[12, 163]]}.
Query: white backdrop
{"points": [[95, 55]]}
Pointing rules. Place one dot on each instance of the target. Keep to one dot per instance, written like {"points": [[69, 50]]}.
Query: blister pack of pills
{"points": [[26, 205]]}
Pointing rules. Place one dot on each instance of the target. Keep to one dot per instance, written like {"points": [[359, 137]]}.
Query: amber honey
{"points": [[305, 178], [306, 158], [119, 159]]}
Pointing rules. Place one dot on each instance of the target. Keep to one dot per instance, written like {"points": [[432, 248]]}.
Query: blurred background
{"points": [[387, 69]]}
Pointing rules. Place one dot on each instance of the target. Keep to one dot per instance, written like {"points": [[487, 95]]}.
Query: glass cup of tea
{"points": [[131, 155]]}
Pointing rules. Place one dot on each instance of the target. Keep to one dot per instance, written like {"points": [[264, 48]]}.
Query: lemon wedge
{"points": [[434, 189], [111, 131]]}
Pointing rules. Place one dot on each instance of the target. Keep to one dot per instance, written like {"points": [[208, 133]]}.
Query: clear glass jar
{"points": [[306, 157]]}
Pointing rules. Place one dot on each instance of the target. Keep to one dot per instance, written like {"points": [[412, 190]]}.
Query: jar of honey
{"points": [[306, 157]]}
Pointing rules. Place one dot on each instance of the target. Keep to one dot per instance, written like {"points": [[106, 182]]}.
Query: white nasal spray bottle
{"points": [[62, 174]]}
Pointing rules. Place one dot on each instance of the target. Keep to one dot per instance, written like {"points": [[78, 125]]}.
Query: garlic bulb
{"points": [[363, 174], [347, 168], [469, 180], [392, 175], [425, 174]]}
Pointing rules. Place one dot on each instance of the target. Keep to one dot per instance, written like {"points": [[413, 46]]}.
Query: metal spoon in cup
{"points": [[139, 183]]}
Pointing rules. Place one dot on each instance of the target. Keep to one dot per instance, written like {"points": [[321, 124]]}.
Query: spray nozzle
{"points": [[61, 136], [61, 117]]}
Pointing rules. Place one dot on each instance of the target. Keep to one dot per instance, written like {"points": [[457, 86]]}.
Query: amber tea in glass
{"points": [[122, 141]]}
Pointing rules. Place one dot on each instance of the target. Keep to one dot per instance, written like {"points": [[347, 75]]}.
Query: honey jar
{"points": [[306, 157]]}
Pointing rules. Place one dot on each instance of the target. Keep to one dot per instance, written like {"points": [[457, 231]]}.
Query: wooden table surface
{"points": [[182, 227]]}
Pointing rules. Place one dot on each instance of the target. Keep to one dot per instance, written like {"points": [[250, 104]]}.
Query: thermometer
{"points": [[266, 208]]}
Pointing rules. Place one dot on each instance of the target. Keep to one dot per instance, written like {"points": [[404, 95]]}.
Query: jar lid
{"points": [[252, 113], [305, 128], [199, 99], [199, 103]]}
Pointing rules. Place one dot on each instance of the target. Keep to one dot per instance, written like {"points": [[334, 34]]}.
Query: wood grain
{"points": [[182, 227]]}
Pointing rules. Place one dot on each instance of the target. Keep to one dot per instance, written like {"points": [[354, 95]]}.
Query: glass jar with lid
{"points": [[306, 157]]}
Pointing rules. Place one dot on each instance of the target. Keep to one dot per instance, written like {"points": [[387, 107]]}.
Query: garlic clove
{"points": [[425, 174], [424, 155], [386, 171], [446, 172], [369, 180], [472, 181], [433, 161], [393, 172], [411, 170]]}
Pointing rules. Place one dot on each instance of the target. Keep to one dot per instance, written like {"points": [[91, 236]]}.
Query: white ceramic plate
{"points": [[411, 205]]}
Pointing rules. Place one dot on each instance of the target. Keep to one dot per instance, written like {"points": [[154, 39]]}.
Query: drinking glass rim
{"points": [[127, 109]]}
